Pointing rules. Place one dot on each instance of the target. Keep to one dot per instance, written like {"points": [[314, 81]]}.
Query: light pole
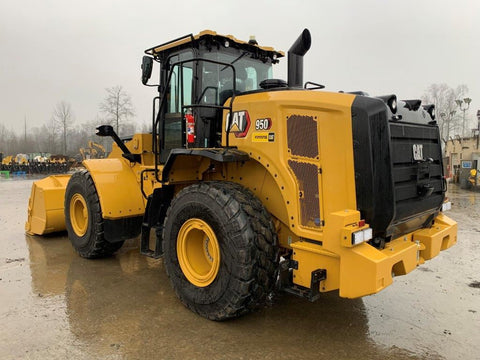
{"points": [[478, 131], [460, 102]]}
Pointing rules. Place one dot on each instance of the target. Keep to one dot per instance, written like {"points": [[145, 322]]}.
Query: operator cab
{"points": [[197, 76]]}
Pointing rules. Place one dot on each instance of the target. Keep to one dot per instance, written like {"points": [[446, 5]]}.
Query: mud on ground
{"points": [[56, 305]]}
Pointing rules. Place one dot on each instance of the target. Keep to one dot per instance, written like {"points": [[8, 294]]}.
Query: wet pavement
{"points": [[56, 305]]}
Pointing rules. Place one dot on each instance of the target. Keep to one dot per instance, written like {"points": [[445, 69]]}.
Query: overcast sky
{"points": [[56, 50]]}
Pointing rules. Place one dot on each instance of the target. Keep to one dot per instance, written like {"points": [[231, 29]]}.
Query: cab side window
{"points": [[180, 90], [179, 94]]}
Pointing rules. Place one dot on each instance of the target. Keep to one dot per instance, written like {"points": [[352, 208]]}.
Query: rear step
{"points": [[286, 284]]}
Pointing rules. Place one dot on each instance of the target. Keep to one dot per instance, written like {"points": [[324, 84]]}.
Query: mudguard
{"points": [[117, 187]]}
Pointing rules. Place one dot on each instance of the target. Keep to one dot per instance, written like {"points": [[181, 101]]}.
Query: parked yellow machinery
{"points": [[7, 160], [254, 184], [474, 178], [93, 151], [99, 149]]}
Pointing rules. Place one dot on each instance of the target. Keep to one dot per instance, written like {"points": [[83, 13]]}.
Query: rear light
{"points": [[447, 205], [362, 236], [391, 101]]}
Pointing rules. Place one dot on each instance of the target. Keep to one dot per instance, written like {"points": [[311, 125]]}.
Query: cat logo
{"points": [[239, 124], [417, 152], [263, 137]]}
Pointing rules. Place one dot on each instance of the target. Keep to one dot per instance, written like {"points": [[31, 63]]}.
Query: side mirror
{"points": [[147, 65]]}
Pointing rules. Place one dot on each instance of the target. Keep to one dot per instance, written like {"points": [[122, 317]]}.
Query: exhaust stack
{"points": [[295, 59]]}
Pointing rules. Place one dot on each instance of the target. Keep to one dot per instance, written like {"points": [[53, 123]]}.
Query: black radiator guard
{"points": [[395, 193]]}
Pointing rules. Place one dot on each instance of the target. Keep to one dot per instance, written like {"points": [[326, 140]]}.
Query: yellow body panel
{"points": [[362, 270], [140, 144], [332, 113], [323, 244], [45, 206], [439, 237], [311, 257], [115, 177], [117, 187]]}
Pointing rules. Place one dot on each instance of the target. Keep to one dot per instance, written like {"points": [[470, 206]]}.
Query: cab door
{"points": [[179, 94]]}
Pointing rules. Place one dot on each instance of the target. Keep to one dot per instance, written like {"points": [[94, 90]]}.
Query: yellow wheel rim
{"points": [[79, 214], [198, 252]]}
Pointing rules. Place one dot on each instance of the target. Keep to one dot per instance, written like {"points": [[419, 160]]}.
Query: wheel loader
{"points": [[253, 184]]}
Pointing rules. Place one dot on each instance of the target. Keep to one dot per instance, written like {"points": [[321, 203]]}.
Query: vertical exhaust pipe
{"points": [[295, 59]]}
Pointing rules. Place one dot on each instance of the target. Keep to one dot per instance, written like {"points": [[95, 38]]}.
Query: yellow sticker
{"points": [[263, 137]]}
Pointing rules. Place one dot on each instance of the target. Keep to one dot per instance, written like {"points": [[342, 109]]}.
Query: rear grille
{"points": [[418, 184]]}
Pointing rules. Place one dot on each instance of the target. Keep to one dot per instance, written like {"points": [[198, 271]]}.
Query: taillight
{"points": [[362, 236], [190, 120]]}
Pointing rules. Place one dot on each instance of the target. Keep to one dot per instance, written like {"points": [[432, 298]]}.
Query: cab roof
{"points": [[211, 35]]}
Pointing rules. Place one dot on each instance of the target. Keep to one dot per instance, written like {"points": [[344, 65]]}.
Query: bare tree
{"points": [[117, 106], [63, 118], [47, 137], [52, 131], [9, 144], [3, 137], [448, 114]]}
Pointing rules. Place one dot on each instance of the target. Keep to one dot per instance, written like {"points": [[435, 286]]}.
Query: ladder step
{"points": [[145, 243]]}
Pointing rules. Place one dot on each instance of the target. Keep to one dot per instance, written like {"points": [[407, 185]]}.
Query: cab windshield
{"points": [[217, 80]]}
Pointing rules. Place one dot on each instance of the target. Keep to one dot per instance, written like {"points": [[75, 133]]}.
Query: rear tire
{"points": [[83, 218], [220, 250]]}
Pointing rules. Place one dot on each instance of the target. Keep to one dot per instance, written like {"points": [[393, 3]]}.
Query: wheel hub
{"points": [[198, 252], [79, 214]]}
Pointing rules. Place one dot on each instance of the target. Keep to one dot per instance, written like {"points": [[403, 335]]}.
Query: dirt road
{"points": [[56, 305]]}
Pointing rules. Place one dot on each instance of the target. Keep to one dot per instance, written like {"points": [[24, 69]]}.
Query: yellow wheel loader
{"points": [[254, 184]]}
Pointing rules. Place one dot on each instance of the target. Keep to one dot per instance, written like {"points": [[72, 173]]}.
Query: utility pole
{"points": [[25, 139]]}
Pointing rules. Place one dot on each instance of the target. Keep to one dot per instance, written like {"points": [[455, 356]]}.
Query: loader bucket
{"points": [[45, 206]]}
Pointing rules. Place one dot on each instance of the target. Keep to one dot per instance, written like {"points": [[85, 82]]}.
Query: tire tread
{"points": [[97, 246], [254, 238]]}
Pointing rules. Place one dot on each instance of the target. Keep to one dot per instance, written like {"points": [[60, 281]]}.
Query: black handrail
{"points": [[192, 39]]}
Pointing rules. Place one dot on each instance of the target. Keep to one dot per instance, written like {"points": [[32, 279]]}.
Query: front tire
{"points": [[83, 218], [220, 250]]}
